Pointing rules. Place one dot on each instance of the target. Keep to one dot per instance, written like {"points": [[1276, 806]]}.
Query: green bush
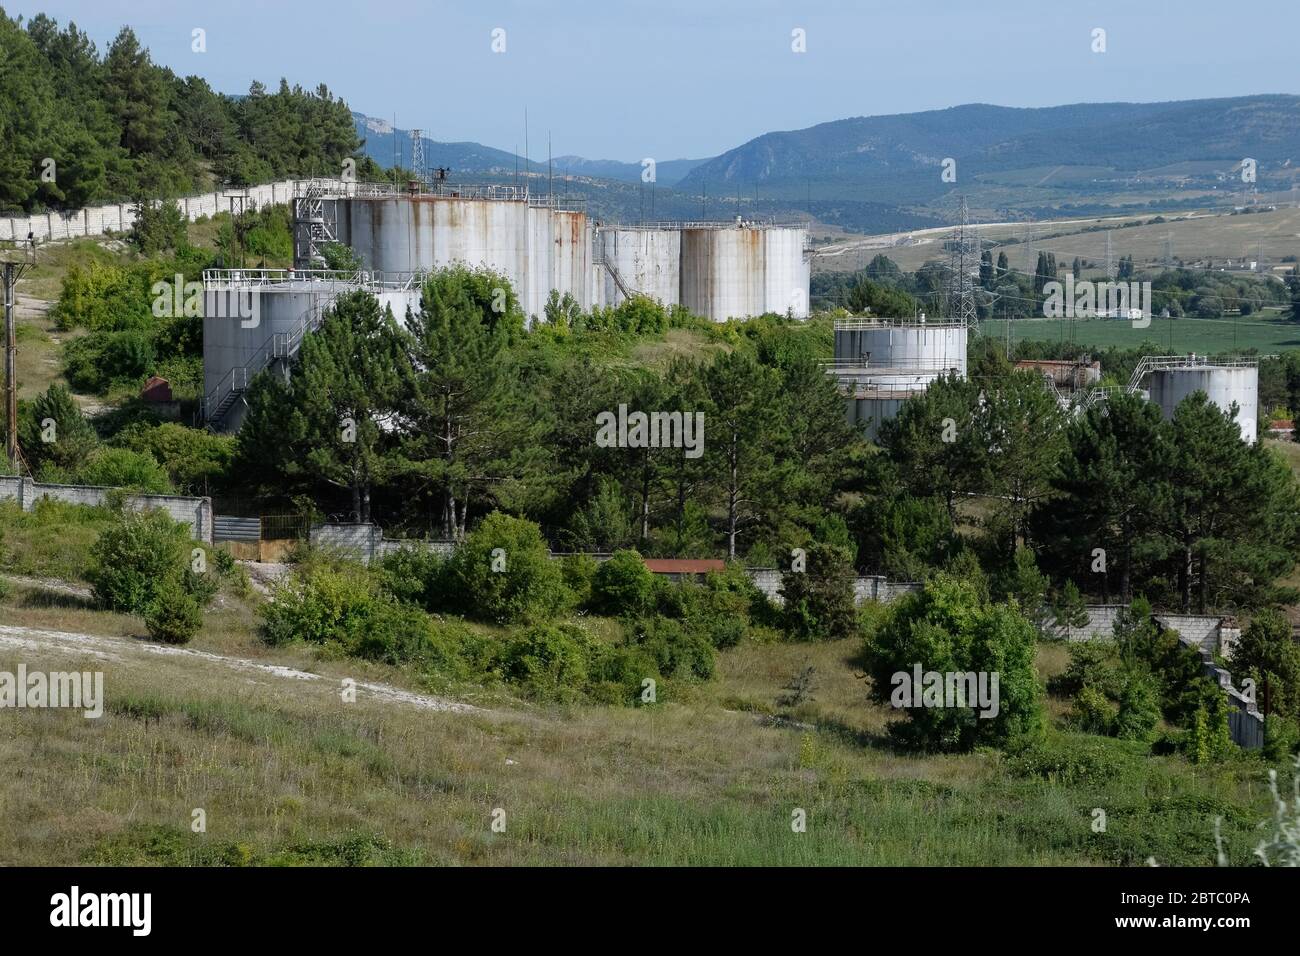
{"points": [[1139, 707], [1071, 760], [819, 600], [134, 556], [123, 468], [675, 650], [1092, 664], [413, 576], [502, 572], [173, 615], [195, 459], [623, 585], [101, 359], [948, 627], [320, 604], [1091, 712], [550, 660], [579, 572], [1281, 737]]}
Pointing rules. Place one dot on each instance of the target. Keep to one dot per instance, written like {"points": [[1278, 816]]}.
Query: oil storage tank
{"points": [[254, 319], [644, 260], [902, 343], [1225, 382], [537, 243], [880, 363], [737, 270]]}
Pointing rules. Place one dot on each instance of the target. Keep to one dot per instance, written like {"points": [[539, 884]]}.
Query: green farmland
{"points": [[1178, 335]]}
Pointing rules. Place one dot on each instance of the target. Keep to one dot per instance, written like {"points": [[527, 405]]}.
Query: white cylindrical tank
{"points": [[744, 270], [648, 261], [1224, 385], [870, 409], [788, 272], [247, 326], [722, 272], [537, 248], [920, 345]]}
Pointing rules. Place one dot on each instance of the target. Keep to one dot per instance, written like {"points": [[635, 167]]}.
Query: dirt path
{"points": [[49, 584], [117, 649]]}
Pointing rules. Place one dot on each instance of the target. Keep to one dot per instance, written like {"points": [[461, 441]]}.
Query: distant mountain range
{"points": [[885, 173]]}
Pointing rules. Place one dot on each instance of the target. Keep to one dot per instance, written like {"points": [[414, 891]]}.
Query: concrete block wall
{"points": [[1205, 634], [1196, 630], [195, 512], [868, 587], [1100, 626], [367, 542], [118, 217]]}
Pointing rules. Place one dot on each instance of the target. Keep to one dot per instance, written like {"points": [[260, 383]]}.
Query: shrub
{"points": [[503, 573], [1139, 707], [623, 585], [552, 661], [947, 628], [1281, 737], [173, 615], [413, 575], [1267, 653], [123, 468], [675, 650], [1091, 712], [321, 604], [1070, 760], [579, 572], [819, 600], [102, 358], [132, 557], [1092, 664]]}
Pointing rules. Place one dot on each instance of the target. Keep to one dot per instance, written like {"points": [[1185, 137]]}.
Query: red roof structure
{"points": [[157, 389]]}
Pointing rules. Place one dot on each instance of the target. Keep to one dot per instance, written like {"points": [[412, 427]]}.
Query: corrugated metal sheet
{"points": [[228, 528]]}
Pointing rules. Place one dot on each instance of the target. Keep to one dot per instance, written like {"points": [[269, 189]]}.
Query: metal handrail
{"points": [[866, 365], [672, 225], [896, 322], [363, 279]]}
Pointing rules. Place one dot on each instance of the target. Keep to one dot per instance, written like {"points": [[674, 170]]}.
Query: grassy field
{"points": [[1179, 335], [1194, 238], [288, 773]]}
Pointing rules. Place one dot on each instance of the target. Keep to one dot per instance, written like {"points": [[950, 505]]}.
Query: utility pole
{"points": [[14, 267]]}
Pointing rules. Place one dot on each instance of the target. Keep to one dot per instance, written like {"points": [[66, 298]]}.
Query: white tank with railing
{"points": [[1226, 383], [253, 317]]}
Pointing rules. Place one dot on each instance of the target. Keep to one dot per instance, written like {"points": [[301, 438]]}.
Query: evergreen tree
{"points": [[742, 431]]}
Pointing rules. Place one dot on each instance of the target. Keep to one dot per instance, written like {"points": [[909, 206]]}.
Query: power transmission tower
{"points": [[14, 266], [1110, 258], [417, 153], [963, 257], [1169, 250]]}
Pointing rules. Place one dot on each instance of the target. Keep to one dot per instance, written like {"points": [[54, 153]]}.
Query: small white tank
{"points": [[1225, 385]]}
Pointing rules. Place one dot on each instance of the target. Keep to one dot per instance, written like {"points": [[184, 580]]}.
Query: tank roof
{"points": [[675, 225], [859, 324]]}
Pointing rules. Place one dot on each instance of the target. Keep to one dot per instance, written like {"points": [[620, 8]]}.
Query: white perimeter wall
{"points": [[97, 220]]}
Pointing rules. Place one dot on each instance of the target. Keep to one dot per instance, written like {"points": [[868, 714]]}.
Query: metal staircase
{"points": [[279, 346]]}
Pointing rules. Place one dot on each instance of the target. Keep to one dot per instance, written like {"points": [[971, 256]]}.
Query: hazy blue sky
{"points": [[691, 78]]}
